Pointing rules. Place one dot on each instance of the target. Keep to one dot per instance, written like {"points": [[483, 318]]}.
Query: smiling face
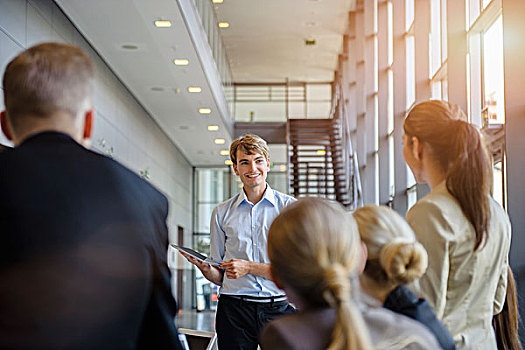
{"points": [[252, 169]]}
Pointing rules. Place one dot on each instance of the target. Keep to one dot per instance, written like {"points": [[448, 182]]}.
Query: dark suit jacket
{"points": [[83, 247]]}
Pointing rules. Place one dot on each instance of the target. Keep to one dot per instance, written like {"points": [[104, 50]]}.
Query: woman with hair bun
{"points": [[314, 251], [395, 259], [465, 231]]}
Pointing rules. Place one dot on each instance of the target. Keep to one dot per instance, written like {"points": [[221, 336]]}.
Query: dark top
{"points": [[402, 300], [83, 247]]}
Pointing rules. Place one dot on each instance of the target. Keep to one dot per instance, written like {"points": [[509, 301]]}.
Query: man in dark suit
{"points": [[83, 240]]}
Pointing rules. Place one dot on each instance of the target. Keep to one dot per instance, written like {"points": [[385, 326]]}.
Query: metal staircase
{"points": [[321, 160]]}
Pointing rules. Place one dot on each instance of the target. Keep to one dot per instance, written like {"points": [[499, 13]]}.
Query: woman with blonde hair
{"points": [[395, 259], [465, 231], [314, 250]]}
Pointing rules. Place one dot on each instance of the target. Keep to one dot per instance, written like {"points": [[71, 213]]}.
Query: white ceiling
{"points": [[265, 42]]}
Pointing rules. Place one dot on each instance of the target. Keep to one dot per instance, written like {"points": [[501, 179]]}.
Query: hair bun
{"points": [[403, 262]]}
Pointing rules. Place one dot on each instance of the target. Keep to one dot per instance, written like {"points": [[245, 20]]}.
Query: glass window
{"points": [[436, 90], [435, 36], [212, 187], [411, 196], [410, 71], [444, 31], [409, 6], [493, 87], [444, 90], [498, 187], [473, 11]]}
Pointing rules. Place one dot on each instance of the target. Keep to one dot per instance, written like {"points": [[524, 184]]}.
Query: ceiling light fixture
{"points": [[129, 47], [220, 141], [213, 128], [225, 152], [309, 42], [194, 89], [181, 62], [204, 110], [162, 24], [217, 1], [321, 152], [224, 24]]}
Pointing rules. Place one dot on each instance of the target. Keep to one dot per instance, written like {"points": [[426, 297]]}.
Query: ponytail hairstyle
{"points": [[394, 256], [457, 147], [507, 321], [314, 248]]}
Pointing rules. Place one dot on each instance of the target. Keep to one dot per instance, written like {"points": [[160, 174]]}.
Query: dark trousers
{"points": [[239, 323]]}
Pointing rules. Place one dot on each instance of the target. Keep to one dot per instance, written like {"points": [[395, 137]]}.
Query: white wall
{"points": [[121, 123]]}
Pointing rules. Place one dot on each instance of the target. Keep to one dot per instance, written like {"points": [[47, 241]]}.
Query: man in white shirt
{"points": [[239, 231]]}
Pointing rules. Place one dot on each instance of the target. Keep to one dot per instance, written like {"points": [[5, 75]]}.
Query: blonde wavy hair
{"points": [[314, 249], [394, 255]]}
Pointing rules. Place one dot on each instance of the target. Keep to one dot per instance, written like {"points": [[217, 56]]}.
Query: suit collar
{"points": [[46, 137]]}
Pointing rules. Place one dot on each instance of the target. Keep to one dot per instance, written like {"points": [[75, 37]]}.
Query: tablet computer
{"points": [[196, 255]]}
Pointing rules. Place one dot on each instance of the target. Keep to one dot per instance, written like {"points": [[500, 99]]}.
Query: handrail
{"points": [[350, 162]]}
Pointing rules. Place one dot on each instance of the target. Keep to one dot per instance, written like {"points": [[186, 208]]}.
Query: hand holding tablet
{"points": [[196, 255]]}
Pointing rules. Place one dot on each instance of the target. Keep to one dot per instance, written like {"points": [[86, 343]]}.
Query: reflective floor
{"points": [[203, 321]]}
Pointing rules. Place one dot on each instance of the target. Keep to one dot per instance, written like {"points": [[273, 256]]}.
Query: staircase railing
{"points": [[350, 161]]}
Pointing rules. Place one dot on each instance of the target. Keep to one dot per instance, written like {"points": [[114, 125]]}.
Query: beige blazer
{"points": [[466, 288]]}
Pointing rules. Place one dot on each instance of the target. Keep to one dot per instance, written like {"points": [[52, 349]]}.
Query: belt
{"points": [[255, 299]]}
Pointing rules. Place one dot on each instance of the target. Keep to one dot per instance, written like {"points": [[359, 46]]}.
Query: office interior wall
{"points": [[123, 129]]}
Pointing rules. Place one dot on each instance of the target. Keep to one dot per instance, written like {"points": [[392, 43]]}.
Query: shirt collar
{"points": [[268, 195]]}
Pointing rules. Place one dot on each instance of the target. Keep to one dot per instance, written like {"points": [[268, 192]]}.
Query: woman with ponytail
{"points": [[466, 233], [314, 250], [395, 259]]}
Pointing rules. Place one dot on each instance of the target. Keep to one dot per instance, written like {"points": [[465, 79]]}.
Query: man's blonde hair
{"points": [[249, 144]]}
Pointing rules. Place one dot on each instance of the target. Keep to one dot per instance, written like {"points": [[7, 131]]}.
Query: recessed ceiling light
{"points": [[309, 42], [213, 127], [129, 47], [162, 24], [181, 62], [220, 141], [217, 1], [194, 89], [224, 24], [321, 152], [228, 162], [204, 110], [157, 88], [225, 152], [282, 167]]}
